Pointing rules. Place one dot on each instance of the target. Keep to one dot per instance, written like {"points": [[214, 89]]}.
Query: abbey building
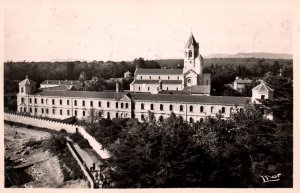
{"points": [[191, 78], [147, 94]]}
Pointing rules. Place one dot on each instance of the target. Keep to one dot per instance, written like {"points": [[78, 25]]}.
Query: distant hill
{"points": [[253, 55]]}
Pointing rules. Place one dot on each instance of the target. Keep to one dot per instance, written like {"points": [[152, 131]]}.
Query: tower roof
{"points": [[26, 82], [262, 87], [191, 41]]}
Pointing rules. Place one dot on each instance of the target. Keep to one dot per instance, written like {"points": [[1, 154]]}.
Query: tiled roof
{"points": [[198, 89], [241, 81], [190, 41], [138, 81], [190, 98], [80, 94], [149, 97], [60, 87], [262, 87], [26, 82], [156, 71], [68, 82]]}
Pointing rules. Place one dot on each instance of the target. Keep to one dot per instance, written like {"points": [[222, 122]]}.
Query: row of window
{"points": [[161, 117], [123, 105], [141, 77], [156, 88], [191, 108]]}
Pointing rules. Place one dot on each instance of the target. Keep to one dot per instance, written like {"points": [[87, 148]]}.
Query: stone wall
{"points": [[54, 125]]}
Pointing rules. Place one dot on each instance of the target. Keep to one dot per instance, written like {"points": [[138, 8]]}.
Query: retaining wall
{"points": [[54, 125]]}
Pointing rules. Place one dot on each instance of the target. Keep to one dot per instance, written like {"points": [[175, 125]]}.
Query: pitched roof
{"points": [[190, 98], [26, 81], [241, 81], [148, 97], [262, 87], [191, 41], [155, 71], [139, 81], [60, 87], [201, 89], [80, 94], [68, 82]]}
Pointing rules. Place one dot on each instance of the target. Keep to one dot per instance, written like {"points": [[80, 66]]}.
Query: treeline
{"points": [[223, 71]]}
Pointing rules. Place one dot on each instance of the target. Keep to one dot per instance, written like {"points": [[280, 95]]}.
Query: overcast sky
{"points": [[98, 30]]}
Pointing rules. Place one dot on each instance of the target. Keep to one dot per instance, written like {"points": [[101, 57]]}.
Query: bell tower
{"points": [[192, 58]]}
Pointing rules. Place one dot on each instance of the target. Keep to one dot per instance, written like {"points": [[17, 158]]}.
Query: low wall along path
{"points": [[54, 125]]}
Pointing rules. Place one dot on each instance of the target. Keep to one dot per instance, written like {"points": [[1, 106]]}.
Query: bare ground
{"points": [[46, 170]]}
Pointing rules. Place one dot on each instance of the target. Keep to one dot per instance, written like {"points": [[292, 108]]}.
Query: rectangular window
{"points": [[91, 103], [262, 96], [60, 102], [68, 102], [60, 112]]}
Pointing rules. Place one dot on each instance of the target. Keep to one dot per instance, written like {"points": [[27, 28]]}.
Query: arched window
{"points": [[151, 107], [35, 110], [168, 77], [75, 112], [108, 115], [60, 111], [167, 88], [30, 110], [117, 115], [191, 108], [107, 104], [91, 103], [42, 110], [176, 88], [24, 109], [53, 111], [68, 102], [99, 104], [47, 111], [148, 88], [42, 101], [122, 105], [191, 120], [68, 112], [142, 117], [35, 100], [60, 102], [83, 103], [142, 106], [139, 88], [201, 109], [75, 103], [126, 105], [171, 107], [181, 108], [212, 109], [150, 77], [117, 105], [177, 77], [161, 107], [223, 109], [231, 110], [22, 89], [53, 102], [158, 77], [201, 120], [22, 100], [190, 54], [30, 100], [83, 113], [141, 77]]}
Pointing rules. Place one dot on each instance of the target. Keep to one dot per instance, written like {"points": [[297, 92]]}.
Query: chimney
{"points": [[117, 87]]}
